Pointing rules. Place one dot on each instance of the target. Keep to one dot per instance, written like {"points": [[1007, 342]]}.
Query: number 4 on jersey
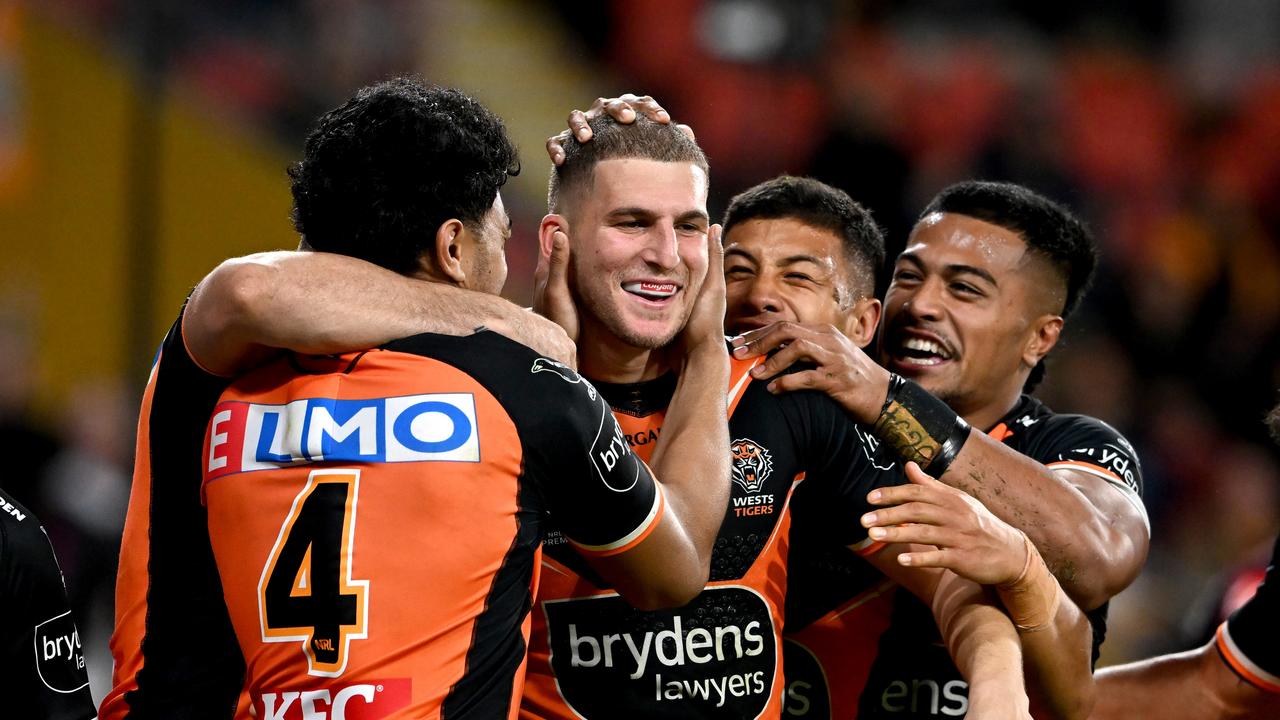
{"points": [[306, 592]]}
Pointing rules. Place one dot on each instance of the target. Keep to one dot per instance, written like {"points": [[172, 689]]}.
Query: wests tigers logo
{"points": [[751, 464]]}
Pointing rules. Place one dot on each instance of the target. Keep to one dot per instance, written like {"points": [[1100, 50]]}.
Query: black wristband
{"points": [[920, 427]]}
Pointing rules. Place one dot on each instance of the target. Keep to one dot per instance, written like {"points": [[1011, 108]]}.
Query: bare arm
{"points": [[1195, 684], [314, 302], [982, 641], [691, 461], [965, 538], [1092, 536]]}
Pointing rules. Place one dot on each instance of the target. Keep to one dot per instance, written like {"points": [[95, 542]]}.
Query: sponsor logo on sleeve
{"points": [[371, 700], [714, 658], [564, 372], [59, 658], [244, 437]]}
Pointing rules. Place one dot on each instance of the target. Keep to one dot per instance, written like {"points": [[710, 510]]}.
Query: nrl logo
{"points": [[751, 465], [564, 372]]}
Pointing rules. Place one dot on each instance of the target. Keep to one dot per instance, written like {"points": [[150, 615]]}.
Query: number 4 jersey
{"points": [[376, 520]]}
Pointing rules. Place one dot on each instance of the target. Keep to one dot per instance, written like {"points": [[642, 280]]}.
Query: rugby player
{"points": [[977, 300], [39, 643], [377, 549], [624, 201], [1233, 677]]}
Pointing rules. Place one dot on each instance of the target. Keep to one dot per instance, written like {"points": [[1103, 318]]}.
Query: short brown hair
{"points": [[610, 140]]}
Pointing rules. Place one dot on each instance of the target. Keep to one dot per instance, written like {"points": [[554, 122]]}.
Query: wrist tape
{"points": [[920, 427], [1032, 599]]}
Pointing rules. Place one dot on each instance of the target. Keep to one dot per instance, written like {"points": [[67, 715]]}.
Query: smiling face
{"points": [[968, 313], [638, 250], [784, 269]]}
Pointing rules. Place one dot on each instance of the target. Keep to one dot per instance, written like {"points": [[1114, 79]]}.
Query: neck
{"points": [[985, 416], [602, 356]]}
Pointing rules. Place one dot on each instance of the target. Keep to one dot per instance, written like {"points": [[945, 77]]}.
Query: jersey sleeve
{"points": [[603, 497], [1247, 639], [844, 464], [41, 645], [1085, 444]]}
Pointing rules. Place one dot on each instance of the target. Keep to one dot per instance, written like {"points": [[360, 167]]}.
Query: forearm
{"points": [[691, 459], [1057, 662], [314, 302], [1092, 557], [982, 641], [1194, 684]]}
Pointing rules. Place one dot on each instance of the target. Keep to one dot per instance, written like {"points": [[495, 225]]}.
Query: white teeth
{"points": [[927, 346], [653, 290]]}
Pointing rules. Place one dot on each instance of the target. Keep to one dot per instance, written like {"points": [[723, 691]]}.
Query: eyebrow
{"points": [[739, 252], [954, 269], [646, 213], [793, 259]]}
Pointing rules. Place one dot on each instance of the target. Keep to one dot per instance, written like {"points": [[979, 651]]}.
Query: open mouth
{"points": [[922, 353], [652, 291]]}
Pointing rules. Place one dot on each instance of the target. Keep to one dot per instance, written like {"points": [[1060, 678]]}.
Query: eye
{"points": [[964, 288], [738, 271], [799, 277], [904, 275]]}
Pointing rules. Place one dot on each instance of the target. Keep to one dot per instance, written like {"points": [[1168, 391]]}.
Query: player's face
{"points": [[488, 266], [639, 249], [783, 269], [961, 310]]}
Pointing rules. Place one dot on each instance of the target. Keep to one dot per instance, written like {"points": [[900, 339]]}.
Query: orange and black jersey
{"points": [[377, 520], [39, 644], [1247, 640], [175, 656], [593, 656], [859, 646]]}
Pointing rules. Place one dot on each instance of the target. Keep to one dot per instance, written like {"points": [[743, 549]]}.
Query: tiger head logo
{"points": [[751, 465]]}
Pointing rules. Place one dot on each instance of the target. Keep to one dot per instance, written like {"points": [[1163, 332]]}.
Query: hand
{"points": [[972, 542], [705, 329], [843, 370], [623, 109], [551, 296]]}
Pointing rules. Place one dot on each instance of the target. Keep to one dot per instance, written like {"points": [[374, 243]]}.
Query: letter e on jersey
{"points": [[243, 437]]}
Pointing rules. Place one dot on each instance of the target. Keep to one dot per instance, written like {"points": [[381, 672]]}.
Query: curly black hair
{"points": [[1049, 229], [382, 172], [821, 206]]}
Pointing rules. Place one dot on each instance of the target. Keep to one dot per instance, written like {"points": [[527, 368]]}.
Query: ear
{"points": [[449, 251], [1045, 331], [547, 229], [861, 320]]}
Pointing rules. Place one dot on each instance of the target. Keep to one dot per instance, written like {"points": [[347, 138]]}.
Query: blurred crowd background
{"points": [[142, 142]]}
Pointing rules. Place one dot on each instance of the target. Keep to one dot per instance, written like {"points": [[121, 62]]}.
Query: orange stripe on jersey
{"points": [[867, 547], [739, 379], [1089, 468], [131, 579], [635, 537], [1241, 663], [1000, 432]]}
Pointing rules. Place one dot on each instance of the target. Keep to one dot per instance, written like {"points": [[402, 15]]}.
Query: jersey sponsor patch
{"points": [[807, 695], [243, 436], [59, 657], [370, 700], [713, 658]]}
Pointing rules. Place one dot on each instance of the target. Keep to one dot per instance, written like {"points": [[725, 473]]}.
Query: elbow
{"points": [[242, 289], [676, 589]]}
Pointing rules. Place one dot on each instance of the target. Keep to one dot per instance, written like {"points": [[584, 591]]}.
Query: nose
{"points": [[925, 301], [662, 247], [762, 294]]}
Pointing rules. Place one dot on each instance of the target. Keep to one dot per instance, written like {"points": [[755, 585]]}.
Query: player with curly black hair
{"points": [[360, 533]]}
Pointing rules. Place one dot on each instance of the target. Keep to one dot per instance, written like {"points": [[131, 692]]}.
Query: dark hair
{"points": [[1049, 229], [610, 140], [381, 173], [821, 206]]}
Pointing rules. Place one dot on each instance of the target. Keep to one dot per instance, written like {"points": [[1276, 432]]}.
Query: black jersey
{"points": [[1247, 640], [39, 643], [859, 646], [593, 656]]}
